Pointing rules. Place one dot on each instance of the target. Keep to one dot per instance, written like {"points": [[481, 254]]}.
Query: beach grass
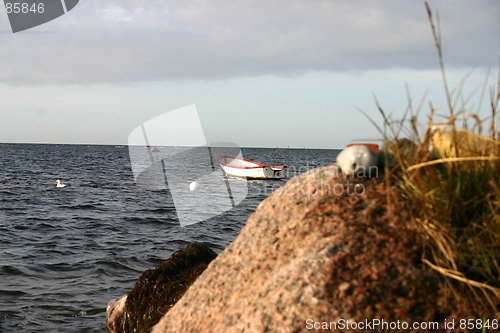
{"points": [[449, 172]]}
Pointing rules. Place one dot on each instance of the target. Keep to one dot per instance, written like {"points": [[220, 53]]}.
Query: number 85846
{"points": [[24, 8]]}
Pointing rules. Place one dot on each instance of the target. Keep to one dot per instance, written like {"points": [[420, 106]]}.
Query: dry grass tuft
{"points": [[450, 177]]}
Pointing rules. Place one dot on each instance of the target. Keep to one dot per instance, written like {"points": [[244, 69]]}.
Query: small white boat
{"points": [[239, 167]]}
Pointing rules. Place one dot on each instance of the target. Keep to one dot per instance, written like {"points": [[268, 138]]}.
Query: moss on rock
{"points": [[158, 289]]}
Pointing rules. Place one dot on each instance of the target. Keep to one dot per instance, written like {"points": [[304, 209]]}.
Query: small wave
{"points": [[166, 220], [160, 210], [85, 206], [112, 268], [14, 293], [89, 312], [60, 267], [7, 192], [10, 321], [14, 271], [45, 223]]}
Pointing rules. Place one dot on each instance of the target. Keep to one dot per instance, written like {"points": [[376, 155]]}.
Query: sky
{"points": [[261, 73]]}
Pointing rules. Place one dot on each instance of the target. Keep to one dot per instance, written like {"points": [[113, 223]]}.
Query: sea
{"points": [[65, 252]]}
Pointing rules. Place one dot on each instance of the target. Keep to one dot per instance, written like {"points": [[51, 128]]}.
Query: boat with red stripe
{"points": [[239, 167]]}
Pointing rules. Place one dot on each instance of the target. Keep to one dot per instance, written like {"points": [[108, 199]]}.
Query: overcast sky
{"points": [[261, 73]]}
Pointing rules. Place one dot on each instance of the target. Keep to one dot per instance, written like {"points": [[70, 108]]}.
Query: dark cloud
{"points": [[127, 41]]}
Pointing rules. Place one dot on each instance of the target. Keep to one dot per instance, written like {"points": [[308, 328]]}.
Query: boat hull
{"points": [[238, 167]]}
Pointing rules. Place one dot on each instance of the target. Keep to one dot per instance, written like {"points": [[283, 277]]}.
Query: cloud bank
{"points": [[128, 41]]}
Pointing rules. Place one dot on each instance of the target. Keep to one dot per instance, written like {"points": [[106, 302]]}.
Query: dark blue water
{"points": [[65, 252]]}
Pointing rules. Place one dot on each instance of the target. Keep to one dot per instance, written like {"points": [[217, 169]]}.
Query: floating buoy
{"points": [[194, 186], [358, 161]]}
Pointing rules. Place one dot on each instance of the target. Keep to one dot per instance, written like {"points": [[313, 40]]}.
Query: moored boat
{"points": [[239, 167]]}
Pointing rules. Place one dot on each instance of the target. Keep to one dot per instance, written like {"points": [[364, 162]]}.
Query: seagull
{"points": [[59, 184]]}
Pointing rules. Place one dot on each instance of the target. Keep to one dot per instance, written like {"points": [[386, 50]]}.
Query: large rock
{"points": [[318, 250], [157, 290]]}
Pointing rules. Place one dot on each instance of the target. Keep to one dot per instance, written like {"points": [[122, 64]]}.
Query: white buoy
{"points": [[194, 186], [59, 184], [358, 161]]}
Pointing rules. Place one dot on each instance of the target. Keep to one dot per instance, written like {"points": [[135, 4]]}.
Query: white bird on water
{"points": [[59, 184]]}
